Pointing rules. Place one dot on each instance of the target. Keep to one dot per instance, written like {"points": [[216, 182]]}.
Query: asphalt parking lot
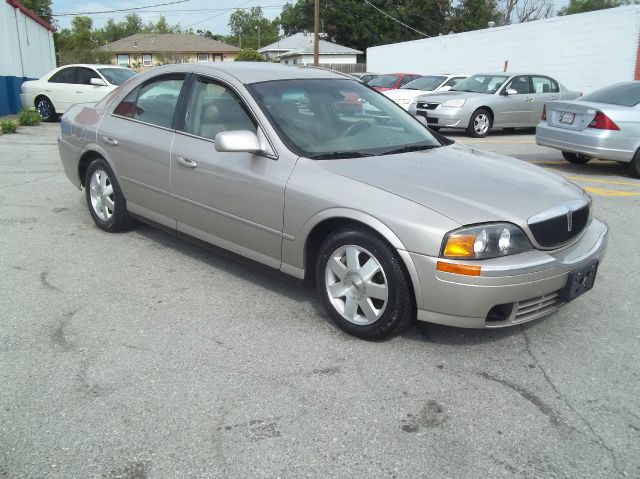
{"points": [[138, 355]]}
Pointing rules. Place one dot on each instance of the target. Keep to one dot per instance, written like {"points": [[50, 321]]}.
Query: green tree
{"points": [[42, 8], [357, 24], [473, 15], [249, 55], [250, 29], [581, 6]]}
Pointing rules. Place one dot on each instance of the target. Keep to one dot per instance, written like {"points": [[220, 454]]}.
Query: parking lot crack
{"points": [[597, 439]]}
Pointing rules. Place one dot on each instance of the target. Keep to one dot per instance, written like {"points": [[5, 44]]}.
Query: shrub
{"points": [[249, 55], [29, 117], [8, 126]]}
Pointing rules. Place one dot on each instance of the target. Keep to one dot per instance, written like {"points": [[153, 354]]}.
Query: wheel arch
{"points": [[323, 224], [90, 153]]}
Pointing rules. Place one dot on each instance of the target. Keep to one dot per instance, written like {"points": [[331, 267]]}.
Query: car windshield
{"points": [[481, 84], [384, 81], [326, 119], [427, 83], [367, 78], [116, 76], [623, 94]]}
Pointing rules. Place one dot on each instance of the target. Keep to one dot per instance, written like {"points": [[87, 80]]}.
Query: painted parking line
{"points": [[598, 180], [606, 192]]}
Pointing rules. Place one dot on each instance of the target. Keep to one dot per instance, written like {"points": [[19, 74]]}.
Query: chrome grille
{"points": [[427, 106], [560, 229], [537, 307]]}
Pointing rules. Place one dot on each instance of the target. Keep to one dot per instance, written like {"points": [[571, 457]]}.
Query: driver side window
{"points": [[215, 108], [521, 84]]}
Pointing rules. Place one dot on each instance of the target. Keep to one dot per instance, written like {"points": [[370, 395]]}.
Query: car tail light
{"points": [[544, 113], [602, 122]]}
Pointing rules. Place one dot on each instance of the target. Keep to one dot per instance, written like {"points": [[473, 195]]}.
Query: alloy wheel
{"points": [[101, 193], [481, 123]]}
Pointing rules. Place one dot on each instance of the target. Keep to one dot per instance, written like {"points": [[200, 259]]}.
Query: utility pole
{"points": [[316, 27]]}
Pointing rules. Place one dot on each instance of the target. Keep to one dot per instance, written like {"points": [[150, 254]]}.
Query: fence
{"points": [[345, 67]]}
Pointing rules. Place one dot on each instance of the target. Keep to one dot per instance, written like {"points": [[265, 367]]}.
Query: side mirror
{"points": [[445, 88], [510, 91], [237, 141], [97, 82]]}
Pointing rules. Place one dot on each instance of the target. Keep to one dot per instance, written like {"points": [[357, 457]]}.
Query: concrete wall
{"points": [[584, 52], [27, 53]]}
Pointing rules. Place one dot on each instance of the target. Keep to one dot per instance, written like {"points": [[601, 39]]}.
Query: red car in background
{"points": [[391, 81]]}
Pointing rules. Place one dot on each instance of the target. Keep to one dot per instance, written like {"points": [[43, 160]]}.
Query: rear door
{"points": [[61, 89], [137, 137], [544, 89]]}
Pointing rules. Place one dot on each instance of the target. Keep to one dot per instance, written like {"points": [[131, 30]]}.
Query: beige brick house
{"points": [[146, 50]]}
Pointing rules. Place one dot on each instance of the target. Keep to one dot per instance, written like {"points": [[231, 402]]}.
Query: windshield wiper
{"points": [[339, 154], [408, 148]]}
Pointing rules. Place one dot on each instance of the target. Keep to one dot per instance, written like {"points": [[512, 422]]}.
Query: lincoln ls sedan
{"points": [[390, 221]]}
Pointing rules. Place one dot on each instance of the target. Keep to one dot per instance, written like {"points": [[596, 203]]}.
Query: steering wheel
{"points": [[356, 127]]}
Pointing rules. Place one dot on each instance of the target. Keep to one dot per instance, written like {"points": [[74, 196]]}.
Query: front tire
{"points": [[480, 123], [105, 200], [46, 110], [362, 283], [576, 158]]}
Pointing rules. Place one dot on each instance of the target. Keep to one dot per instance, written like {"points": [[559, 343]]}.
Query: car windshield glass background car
{"points": [[214, 109], [481, 84], [425, 83], [384, 81], [117, 76], [623, 94], [313, 119]]}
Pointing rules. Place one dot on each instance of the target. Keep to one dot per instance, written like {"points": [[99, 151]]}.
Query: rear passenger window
{"points": [[66, 75], [215, 108], [154, 102], [544, 85]]}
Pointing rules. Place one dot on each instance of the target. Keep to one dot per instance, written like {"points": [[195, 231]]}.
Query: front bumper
{"points": [[603, 144], [523, 287], [445, 117]]}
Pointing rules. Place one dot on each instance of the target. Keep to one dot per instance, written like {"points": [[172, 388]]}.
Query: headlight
{"points": [[455, 103], [484, 241], [403, 101]]}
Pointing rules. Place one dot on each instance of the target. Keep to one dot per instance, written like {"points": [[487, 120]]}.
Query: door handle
{"points": [[528, 99], [110, 141], [186, 162], [553, 98], [79, 92]]}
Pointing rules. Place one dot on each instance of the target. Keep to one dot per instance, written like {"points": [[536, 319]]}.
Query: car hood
{"points": [[467, 185], [401, 93], [441, 97]]}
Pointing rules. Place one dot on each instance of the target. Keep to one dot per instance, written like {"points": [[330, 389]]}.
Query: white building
{"points": [[27, 52], [298, 50], [584, 51]]}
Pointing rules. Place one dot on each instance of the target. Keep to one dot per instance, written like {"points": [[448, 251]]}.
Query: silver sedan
{"points": [[604, 124], [388, 220], [491, 100]]}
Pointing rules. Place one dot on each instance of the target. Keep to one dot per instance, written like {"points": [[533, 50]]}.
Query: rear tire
{"points": [[46, 110], [363, 285], [576, 158], [634, 166], [105, 200]]}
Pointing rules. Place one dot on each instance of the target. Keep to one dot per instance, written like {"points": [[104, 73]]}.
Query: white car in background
{"points": [[56, 91], [408, 94]]}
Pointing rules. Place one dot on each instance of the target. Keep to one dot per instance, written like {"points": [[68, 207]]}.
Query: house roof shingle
{"points": [[169, 42], [302, 43]]}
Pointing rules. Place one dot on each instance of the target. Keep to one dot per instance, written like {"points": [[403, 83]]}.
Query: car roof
{"points": [[510, 74], [255, 72], [92, 65]]}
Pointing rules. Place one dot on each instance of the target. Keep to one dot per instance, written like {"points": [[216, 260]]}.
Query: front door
{"points": [[232, 200], [515, 110]]}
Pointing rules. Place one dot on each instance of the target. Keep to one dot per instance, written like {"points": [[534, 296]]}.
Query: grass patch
{"points": [[8, 126], [29, 117]]}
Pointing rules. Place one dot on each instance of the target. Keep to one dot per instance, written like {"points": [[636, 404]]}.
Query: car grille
{"points": [[537, 307], [556, 231], [427, 106]]}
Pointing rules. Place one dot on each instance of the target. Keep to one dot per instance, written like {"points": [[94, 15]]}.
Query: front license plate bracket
{"points": [[579, 282]]}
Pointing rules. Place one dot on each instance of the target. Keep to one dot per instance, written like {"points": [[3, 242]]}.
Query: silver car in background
{"points": [[491, 100], [604, 124], [388, 220], [406, 95]]}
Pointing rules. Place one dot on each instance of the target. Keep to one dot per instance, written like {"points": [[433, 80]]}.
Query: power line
{"points": [[395, 19], [219, 14], [69, 14]]}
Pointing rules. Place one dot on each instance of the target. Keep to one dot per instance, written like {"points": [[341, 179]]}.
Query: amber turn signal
{"points": [[454, 268], [459, 246]]}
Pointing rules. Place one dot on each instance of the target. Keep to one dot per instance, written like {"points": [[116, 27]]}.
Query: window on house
{"points": [[203, 57], [217, 57], [146, 60], [123, 60]]}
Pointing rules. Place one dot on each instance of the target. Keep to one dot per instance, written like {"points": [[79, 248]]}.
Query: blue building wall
{"points": [[10, 94]]}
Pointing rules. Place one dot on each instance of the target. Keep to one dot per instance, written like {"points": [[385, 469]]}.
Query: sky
{"points": [[210, 15]]}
